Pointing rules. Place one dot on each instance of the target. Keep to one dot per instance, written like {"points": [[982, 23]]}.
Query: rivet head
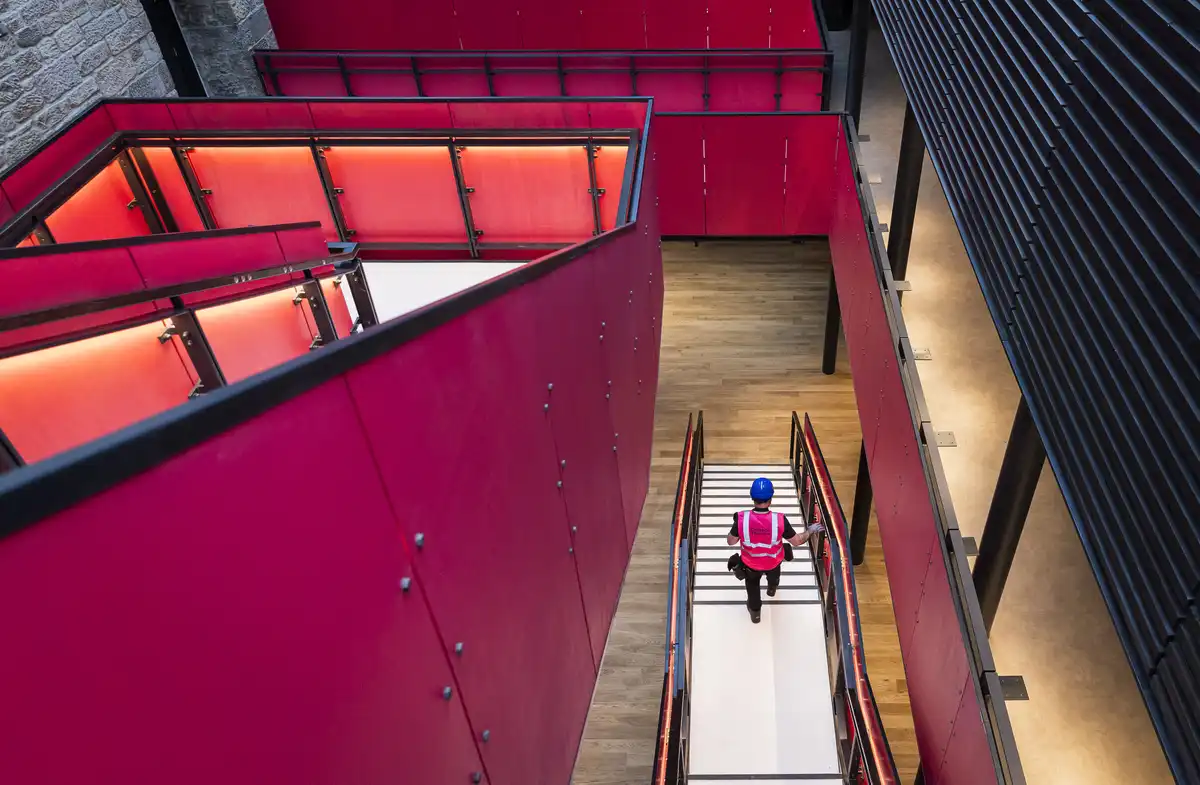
{"points": [[458, 648], [614, 448], [570, 550], [602, 337], [560, 483], [610, 382], [550, 386], [405, 583], [545, 407], [477, 777], [563, 463], [603, 324], [487, 734], [447, 692], [420, 540], [574, 529]]}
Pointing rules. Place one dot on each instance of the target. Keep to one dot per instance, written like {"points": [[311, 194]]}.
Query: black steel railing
{"points": [[863, 751], [670, 753]]}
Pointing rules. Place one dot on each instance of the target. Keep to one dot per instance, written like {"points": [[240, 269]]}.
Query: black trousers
{"points": [[753, 595]]}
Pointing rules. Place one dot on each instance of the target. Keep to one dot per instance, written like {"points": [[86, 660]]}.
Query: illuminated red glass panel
{"points": [[174, 189], [250, 336], [398, 194], [610, 174], [529, 194], [58, 398], [100, 210], [258, 186]]}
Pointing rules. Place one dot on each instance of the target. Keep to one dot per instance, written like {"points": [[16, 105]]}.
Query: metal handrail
{"points": [[863, 748]]}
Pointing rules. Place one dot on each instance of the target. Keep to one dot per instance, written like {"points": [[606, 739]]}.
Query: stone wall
{"points": [[58, 56], [221, 35]]}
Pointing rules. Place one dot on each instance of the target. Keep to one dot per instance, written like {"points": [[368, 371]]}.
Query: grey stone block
{"points": [[25, 64], [26, 107], [57, 78], [151, 84], [128, 33], [82, 94], [92, 58], [69, 35], [98, 28], [73, 9], [50, 119], [28, 36]]}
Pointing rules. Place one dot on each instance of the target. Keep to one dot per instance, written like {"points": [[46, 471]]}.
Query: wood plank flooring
{"points": [[742, 336]]}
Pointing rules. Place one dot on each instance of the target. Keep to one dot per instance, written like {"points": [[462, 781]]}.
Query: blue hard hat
{"points": [[762, 490]]}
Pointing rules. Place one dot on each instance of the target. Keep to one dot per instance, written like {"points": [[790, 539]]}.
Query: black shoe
{"points": [[770, 591], [755, 616]]}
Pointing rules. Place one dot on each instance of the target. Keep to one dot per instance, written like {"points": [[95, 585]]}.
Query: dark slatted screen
{"points": [[1066, 137]]}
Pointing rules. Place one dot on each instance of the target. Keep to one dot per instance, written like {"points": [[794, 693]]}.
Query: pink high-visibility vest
{"points": [[762, 539]]}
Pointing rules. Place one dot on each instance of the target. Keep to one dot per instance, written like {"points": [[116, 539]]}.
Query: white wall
{"points": [[400, 287]]}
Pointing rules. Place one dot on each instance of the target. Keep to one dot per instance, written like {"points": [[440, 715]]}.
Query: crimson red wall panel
{"points": [[610, 172], [968, 754], [676, 24], [259, 186], [35, 175], [740, 24], [794, 26], [551, 24], [812, 147], [612, 24], [500, 579], [529, 194], [241, 116], [744, 163], [166, 263], [401, 194], [42, 333], [39, 281], [99, 211], [253, 335], [679, 149], [174, 189], [483, 25], [57, 398], [580, 422], [251, 635]]}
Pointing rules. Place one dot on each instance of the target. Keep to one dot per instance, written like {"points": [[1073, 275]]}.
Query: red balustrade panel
{"points": [[673, 90], [250, 336], [179, 261], [173, 188], [526, 77], [102, 209], [801, 89], [38, 279], [57, 398], [307, 75], [241, 116], [570, 354], [259, 186], [600, 77], [744, 165], [679, 153], [371, 115], [529, 194], [968, 754], [398, 194], [364, 81], [464, 447], [453, 76], [743, 90], [235, 630]]}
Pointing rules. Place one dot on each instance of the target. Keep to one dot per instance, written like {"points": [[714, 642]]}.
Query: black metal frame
{"points": [[199, 350], [594, 187], [153, 189], [863, 750], [326, 331], [141, 195], [10, 459], [464, 200], [331, 191]]}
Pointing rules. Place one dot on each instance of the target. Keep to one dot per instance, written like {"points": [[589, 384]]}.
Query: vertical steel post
{"points": [[833, 328], [904, 202], [860, 25], [1019, 473], [860, 521]]}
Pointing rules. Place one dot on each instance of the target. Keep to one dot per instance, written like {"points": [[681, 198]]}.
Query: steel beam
{"points": [[904, 202], [861, 517], [860, 25], [833, 327]]}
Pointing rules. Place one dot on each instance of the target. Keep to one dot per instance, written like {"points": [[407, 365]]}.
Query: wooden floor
{"points": [[742, 336]]}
